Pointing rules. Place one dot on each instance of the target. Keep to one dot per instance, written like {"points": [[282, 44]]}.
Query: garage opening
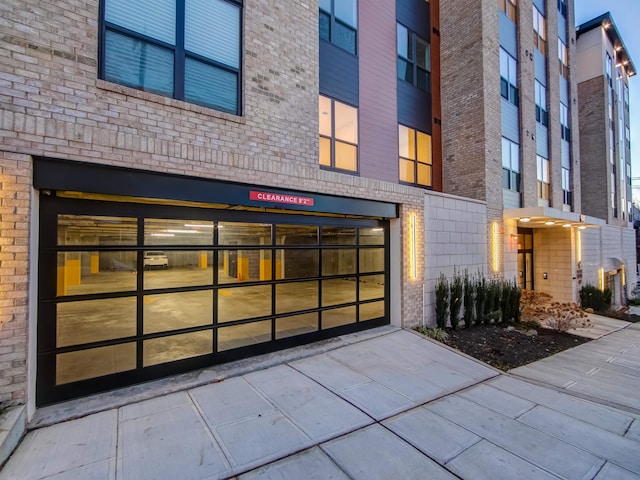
{"points": [[131, 290]]}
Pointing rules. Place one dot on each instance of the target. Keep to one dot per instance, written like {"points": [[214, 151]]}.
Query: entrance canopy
{"points": [[547, 217]]}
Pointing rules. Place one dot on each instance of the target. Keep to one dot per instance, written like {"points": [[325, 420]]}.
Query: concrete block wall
{"points": [[53, 104], [455, 240]]}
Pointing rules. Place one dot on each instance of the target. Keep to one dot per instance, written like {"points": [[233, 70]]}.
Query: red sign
{"points": [[281, 198]]}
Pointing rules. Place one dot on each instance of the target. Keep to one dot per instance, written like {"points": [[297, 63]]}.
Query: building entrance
{"points": [[525, 258]]}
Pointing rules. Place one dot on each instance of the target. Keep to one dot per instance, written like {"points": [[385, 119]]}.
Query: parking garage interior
{"points": [[132, 291]]}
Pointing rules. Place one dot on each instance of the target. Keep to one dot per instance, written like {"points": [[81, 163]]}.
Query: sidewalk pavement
{"points": [[392, 406]]}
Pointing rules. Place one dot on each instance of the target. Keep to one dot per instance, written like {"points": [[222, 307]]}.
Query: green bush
{"points": [[434, 333], [592, 297], [517, 294], [442, 301], [468, 300], [455, 300], [481, 296]]}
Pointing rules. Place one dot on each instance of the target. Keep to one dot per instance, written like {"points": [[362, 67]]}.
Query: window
{"points": [[609, 69], [338, 124], [543, 178], [542, 115], [338, 23], [414, 150], [508, 77], [539, 31], [565, 131], [187, 50], [414, 59], [510, 165], [566, 186], [625, 90], [563, 58], [508, 7], [562, 7]]}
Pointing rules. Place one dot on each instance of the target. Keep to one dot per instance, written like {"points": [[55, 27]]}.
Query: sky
{"points": [[625, 14]]}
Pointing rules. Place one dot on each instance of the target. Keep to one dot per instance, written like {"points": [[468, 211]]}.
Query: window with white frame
{"points": [[510, 165], [509, 7], [338, 128], [187, 50], [539, 31], [565, 130], [508, 77], [543, 177], [542, 115], [563, 59]]}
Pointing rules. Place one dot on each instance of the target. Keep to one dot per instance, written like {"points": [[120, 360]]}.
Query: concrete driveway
{"points": [[385, 406]]}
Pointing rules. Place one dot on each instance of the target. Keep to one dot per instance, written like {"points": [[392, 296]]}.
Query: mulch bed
{"points": [[505, 350]]}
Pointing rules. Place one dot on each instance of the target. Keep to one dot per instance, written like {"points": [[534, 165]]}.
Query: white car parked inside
{"points": [[155, 258]]}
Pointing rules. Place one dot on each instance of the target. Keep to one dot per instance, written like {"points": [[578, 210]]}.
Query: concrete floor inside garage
{"points": [[84, 321]]}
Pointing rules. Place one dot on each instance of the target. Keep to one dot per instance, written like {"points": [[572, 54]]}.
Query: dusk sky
{"points": [[626, 14]]}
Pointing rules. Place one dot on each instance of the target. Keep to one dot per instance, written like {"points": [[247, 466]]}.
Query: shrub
{"points": [[455, 300], [442, 301], [517, 295], [481, 296], [539, 307], [592, 297], [492, 303], [468, 300], [434, 333]]}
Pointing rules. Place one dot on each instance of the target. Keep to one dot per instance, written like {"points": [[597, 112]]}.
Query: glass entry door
{"points": [[525, 258]]}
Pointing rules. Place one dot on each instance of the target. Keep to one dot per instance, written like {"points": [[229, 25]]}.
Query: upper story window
{"points": [[539, 31], [563, 58], [414, 150], [562, 7], [625, 90], [542, 115], [338, 125], [508, 77], [510, 165], [608, 66], [338, 23], [184, 49], [543, 178], [565, 130], [414, 59], [566, 186], [509, 7]]}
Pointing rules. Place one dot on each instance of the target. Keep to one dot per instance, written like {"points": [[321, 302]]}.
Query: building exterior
{"points": [[604, 67], [188, 183]]}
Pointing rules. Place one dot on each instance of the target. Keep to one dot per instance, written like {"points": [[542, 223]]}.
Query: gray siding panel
{"points": [[542, 140], [566, 153], [540, 6], [564, 90], [508, 36], [540, 62], [338, 73], [562, 29], [511, 199], [510, 121]]}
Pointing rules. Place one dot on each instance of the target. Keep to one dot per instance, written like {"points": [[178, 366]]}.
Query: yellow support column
{"points": [[72, 272], [62, 284], [243, 268], [95, 263], [265, 269], [203, 260]]}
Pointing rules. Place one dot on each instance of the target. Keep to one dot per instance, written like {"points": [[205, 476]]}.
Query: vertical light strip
{"points": [[413, 267], [601, 272], [579, 246], [624, 275], [495, 247]]}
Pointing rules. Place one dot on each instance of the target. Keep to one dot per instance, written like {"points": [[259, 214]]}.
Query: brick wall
{"points": [[15, 197], [53, 104]]}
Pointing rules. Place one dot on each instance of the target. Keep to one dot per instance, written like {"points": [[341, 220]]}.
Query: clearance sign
{"points": [[281, 198]]}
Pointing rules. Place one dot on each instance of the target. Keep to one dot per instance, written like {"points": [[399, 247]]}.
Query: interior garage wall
{"points": [[455, 240], [554, 254]]}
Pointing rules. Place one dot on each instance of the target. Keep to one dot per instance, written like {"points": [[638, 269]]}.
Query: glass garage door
{"points": [[131, 292]]}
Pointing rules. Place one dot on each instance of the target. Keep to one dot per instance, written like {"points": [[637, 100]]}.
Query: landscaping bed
{"points": [[507, 349]]}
